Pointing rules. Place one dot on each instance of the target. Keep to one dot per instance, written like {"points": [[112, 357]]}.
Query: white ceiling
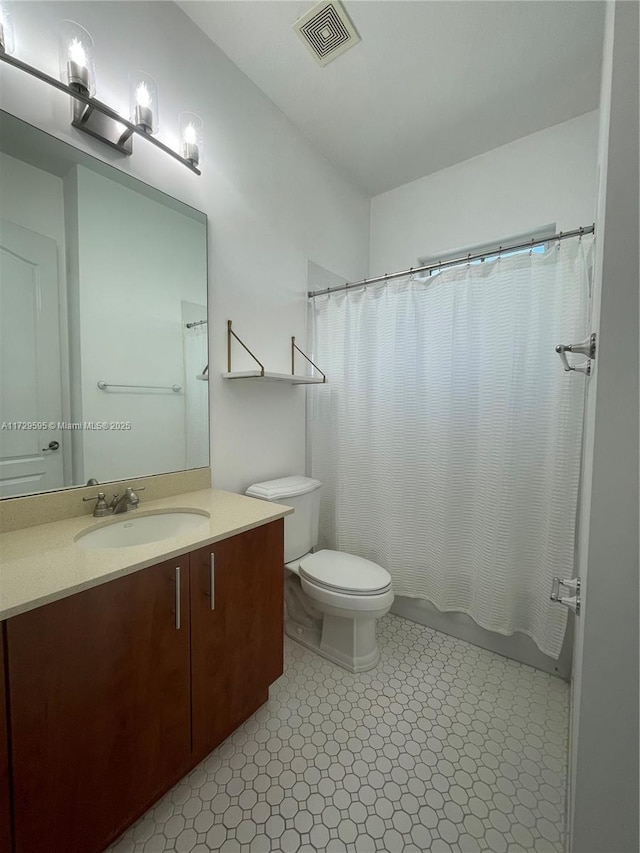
{"points": [[430, 84]]}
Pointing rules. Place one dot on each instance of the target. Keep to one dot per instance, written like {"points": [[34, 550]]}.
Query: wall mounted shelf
{"points": [[291, 378]]}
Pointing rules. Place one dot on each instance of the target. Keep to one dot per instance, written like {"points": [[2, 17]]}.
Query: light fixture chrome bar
{"points": [[498, 250], [97, 105], [104, 385]]}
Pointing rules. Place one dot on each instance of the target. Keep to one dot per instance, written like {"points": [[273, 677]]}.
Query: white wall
{"points": [[547, 177], [273, 203], [137, 259], [604, 750]]}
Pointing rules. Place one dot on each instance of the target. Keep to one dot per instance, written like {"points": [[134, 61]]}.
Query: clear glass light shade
{"points": [[191, 137], [143, 101], [77, 67], [7, 44]]}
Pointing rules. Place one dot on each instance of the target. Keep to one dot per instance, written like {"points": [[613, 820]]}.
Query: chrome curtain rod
{"points": [[195, 323], [562, 235]]}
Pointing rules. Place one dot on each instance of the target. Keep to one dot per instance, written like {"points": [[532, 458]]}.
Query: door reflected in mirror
{"points": [[103, 321]]}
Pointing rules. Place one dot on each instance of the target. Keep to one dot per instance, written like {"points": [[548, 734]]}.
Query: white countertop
{"points": [[42, 564]]}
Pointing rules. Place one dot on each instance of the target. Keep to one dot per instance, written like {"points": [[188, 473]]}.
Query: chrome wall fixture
{"points": [[587, 348], [99, 120], [102, 385]]}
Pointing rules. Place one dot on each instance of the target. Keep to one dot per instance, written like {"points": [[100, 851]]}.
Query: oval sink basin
{"points": [[142, 529]]}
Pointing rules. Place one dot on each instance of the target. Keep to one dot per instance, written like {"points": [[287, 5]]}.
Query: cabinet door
{"points": [[237, 636], [5, 806], [100, 708]]}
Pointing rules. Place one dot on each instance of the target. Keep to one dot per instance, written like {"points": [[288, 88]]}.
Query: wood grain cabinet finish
{"points": [[115, 693], [236, 630], [5, 802], [99, 708]]}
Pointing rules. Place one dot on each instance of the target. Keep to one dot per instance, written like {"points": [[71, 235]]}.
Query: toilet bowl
{"points": [[332, 599]]}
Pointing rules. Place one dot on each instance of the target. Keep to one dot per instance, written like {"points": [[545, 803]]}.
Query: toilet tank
{"points": [[301, 528]]}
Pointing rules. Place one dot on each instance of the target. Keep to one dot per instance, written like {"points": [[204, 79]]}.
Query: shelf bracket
{"points": [[295, 347], [230, 334]]}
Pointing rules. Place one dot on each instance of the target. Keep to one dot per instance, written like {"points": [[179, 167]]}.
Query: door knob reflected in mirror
{"points": [[53, 445]]}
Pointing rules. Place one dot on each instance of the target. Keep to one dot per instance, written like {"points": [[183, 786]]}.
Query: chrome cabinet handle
{"points": [[178, 599], [212, 581]]}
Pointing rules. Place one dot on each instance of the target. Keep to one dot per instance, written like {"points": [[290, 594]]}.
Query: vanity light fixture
{"points": [[143, 100], [75, 49], [77, 79], [192, 137]]}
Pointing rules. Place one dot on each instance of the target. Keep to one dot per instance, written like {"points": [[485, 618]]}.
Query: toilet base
{"points": [[345, 637], [311, 636]]}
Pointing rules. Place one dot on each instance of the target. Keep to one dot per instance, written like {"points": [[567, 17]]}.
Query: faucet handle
{"points": [[98, 497], [101, 507]]}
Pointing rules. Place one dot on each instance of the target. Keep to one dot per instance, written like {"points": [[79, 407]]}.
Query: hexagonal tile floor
{"points": [[442, 747]]}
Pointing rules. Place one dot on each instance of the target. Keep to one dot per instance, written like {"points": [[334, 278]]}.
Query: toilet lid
{"points": [[345, 572]]}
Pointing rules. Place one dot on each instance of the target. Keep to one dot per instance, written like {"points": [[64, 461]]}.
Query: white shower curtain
{"points": [[449, 437]]}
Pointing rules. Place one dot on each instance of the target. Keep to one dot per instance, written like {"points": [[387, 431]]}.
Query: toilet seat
{"points": [[346, 574]]}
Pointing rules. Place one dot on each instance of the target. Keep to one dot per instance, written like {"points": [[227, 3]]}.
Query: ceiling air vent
{"points": [[327, 31]]}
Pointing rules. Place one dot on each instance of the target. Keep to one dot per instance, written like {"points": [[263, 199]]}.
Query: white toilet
{"points": [[332, 599]]}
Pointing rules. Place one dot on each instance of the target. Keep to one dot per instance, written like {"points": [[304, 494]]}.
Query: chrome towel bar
{"points": [[104, 385]]}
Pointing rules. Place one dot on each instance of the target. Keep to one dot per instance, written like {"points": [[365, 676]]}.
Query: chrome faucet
{"points": [[128, 501]]}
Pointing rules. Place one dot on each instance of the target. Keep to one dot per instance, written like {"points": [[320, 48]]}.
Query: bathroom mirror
{"points": [[103, 321]]}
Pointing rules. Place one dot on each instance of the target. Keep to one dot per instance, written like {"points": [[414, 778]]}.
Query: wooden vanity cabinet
{"points": [[99, 707], [111, 699], [236, 630], [5, 801]]}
